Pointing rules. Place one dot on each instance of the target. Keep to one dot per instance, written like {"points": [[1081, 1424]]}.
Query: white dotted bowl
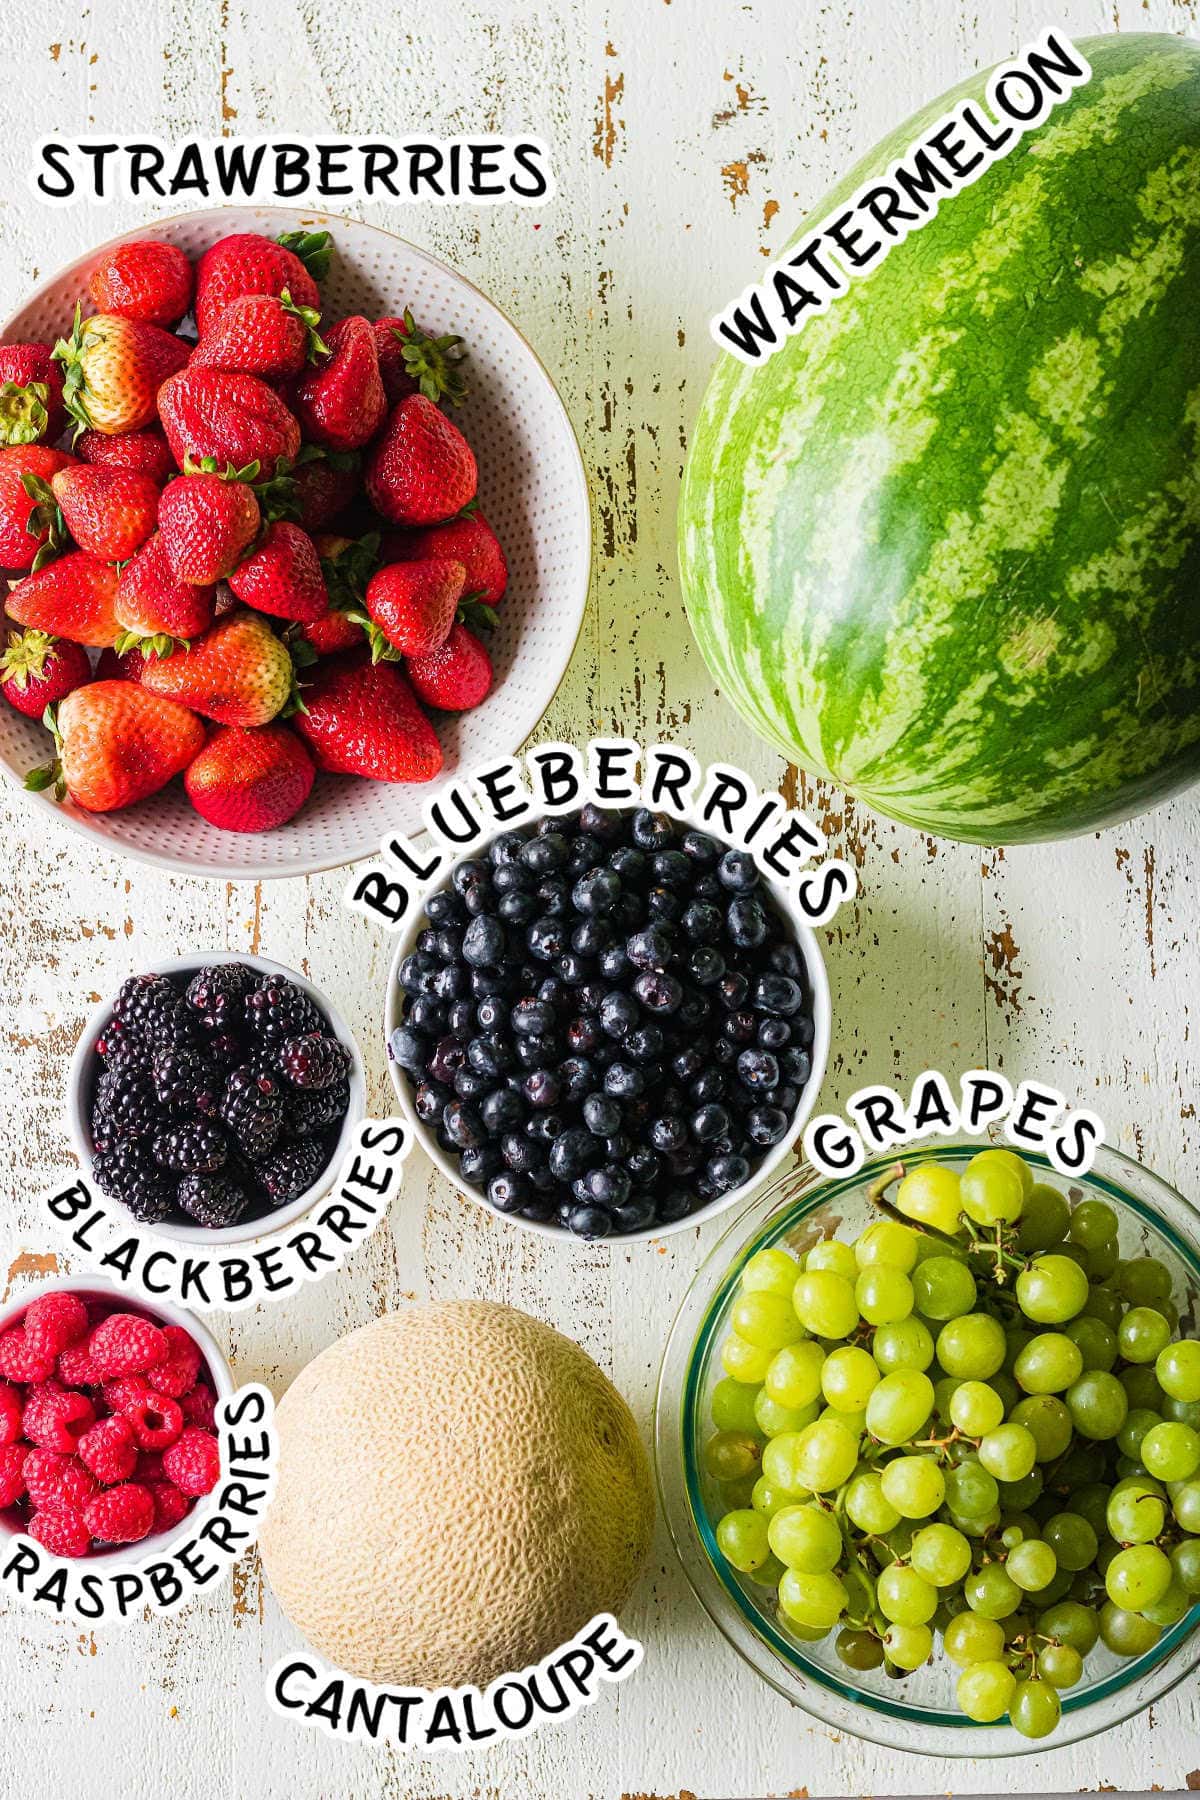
{"points": [[533, 491]]}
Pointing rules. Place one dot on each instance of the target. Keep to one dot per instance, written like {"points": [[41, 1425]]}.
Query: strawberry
{"points": [[146, 280], [71, 598], [31, 526], [470, 540], [145, 452], [421, 469], [341, 403], [411, 605], [31, 395], [264, 336], [109, 512], [117, 744], [250, 780], [412, 363], [282, 575], [113, 369], [360, 718], [238, 673], [207, 521], [250, 264], [231, 417], [154, 609], [314, 489], [454, 677], [348, 565], [122, 665], [36, 670]]}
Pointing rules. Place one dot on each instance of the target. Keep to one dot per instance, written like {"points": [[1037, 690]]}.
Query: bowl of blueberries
{"points": [[608, 1023]]}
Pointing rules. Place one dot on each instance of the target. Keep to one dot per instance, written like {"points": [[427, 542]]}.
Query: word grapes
{"points": [[979, 1423]]}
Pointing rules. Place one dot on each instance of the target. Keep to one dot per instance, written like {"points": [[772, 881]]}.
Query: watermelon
{"points": [[944, 546]]}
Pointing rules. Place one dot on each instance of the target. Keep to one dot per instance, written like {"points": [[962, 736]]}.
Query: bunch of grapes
{"points": [[981, 1424]]}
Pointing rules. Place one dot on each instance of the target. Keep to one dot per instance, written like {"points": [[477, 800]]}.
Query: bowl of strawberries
{"points": [[294, 524]]}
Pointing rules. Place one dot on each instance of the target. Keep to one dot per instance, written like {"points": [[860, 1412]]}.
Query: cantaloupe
{"points": [[460, 1489]]}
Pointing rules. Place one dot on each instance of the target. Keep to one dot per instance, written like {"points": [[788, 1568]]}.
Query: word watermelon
{"points": [[944, 546]]}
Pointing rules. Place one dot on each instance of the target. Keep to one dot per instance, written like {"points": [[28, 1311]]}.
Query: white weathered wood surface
{"points": [[687, 135]]}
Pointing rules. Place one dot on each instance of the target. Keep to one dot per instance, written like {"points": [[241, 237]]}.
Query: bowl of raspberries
{"points": [[293, 523], [607, 1024], [106, 1418], [214, 1098]]}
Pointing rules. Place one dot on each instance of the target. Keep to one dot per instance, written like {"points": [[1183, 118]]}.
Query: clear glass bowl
{"points": [[917, 1714]]}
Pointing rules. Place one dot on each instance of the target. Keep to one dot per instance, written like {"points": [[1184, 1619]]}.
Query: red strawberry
{"points": [[412, 363], [421, 470], [71, 598], [341, 403], [469, 540], [152, 604], [36, 670], [411, 605], [109, 512], [235, 419], [360, 718], [250, 264], [238, 673], [114, 368], [263, 336], [31, 395], [145, 452], [250, 780], [282, 575], [348, 565], [30, 521], [315, 489], [147, 280], [125, 665], [454, 677], [117, 744], [333, 633], [206, 523]]}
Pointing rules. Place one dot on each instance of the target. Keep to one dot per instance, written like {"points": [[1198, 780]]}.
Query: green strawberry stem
{"points": [[45, 519], [69, 352], [310, 319], [49, 775], [159, 644], [314, 248], [23, 414], [475, 613], [432, 362]]}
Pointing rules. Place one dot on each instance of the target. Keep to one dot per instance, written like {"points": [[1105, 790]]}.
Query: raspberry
{"points": [[10, 1414], [55, 1418], [12, 1473], [126, 1344], [125, 1391], [156, 1420], [108, 1449], [198, 1405], [120, 1515], [193, 1463], [178, 1370], [55, 1481], [75, 1367], [61, 1530], [169, 1505], [19, 1361], [148, 1468], [53, 1321]]}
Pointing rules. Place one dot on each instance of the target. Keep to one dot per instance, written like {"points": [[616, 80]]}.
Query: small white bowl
{"points": [[160, 1312], [818, 982], [85, 1065]]}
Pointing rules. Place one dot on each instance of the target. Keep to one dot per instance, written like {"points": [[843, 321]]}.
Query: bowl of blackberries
{"points": [[608, 1023], [214, 1098]]}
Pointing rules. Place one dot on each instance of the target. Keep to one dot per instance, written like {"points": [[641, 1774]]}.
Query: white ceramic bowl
{"points": [[162, 1312], [85, 1065], [818, 983], [534, 492]]}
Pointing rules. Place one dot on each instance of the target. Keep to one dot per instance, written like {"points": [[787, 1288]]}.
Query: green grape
{"points": [[825, 1304], [976, 1408], [1143, 1335], [859, 1650], [943, 1288], [768, 1574], [1104, 1304], [1141, 1388], [985, 1691], [1171, 1451], [826, 1455], [932, 1195], [1174, 1605], [1018, 1496], [737, 1493], [1032, 1565], [971, 1347], [899, 1406], [848, 1377], [1178, 1370], [1138, 1576], [1091, 1503], [900, 1539], [928, 1247], [1185, 1563], [1009, 1452], [1093, 1222], [1127, 1633], [944, 1390], [971, 1491], [1095, 1341], [1072, 1540], [1007, 1389], [793, 1375], [1186, 1411], [771, 1417], [1185, 1503], [972, 1526], [1144, 1281], [781, 1463], [745, 1362], [887, 1241], [970, 1638], [1047, 1420], [853, 1421], [770, 1272], [1069, 1622], [914, 1485], [768, 1499], [1103, 1260], [1052, 1290], [1035, 1708], [1098, 1405], [729, 1455], [742, 1539], [1048, 1364], [732, 1405], [834, 1255], [1044, 1220], [908, 1344], [992, 1591], [1137, 1423], [908, 1646], [884, 1295], [806, 1538], [765, 1319], [1082, 1463], [904, 1597], [940, 1554], [868, 1507], [815, 1601], [1015, 1340], [994, 1187]]}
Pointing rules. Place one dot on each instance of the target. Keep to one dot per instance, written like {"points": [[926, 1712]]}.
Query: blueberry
{"points": [[506, 849], [590, 997], [596, 892], [737, 872], [490, 1013], [661, 903], [462, 1125], [669, 1132], [710, 1084], [408, 1048], [688, 1063], [787, 1096], [552, 989], [450, 982], [443, 909], [517, 1151], [651, 948], [545, 853], [608, 1185], [708, 889], [786, 959], [658, 991], [684, 1162], [614, 963], [469, 1085], [746, 922], [544, 1127], [536, 1052], [415, 973], [674, 1205], [427, 942], [706, 965], [429, 1100], [468, 875], [796, 1065], [509, 1191], [644, 1166], [645, 1044], [490, 1055], [587, 853], [803, 1030], [578, 1077], [591, 936], [701, 923], [726, 1172], [724, 1052], [618, 1014], [518, 909], [582, 1035], [734, 990], [481, 1163], [512, 880], [651, 831], [702, 849], [630, 864], [623, 1081], [673, 869], [600, 822], [765, 1125], [619, 1146], [709, 1121], [460, 1017], [773, 1034], [488, 981], [775, 993], [601, 1115], [759, 1070], [555, 897], [501, 1110], [542, 1087], [541, 1209], [447, 1059], [532, 1018], [572, 1153], [739, 1027], [574, 970], [547, 938], [589, 1222], [634, 1214]]}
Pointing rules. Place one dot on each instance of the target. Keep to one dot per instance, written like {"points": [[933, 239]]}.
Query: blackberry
{"points": [[118, 1047], [290, 1172], [277, 1010], [196, 1147], [124, 1105], [313, 1111], [185, 1081], [252, 1110], [312, 1062], [129, 1174], [212, 1200], [150, 1010], [216, 994]]}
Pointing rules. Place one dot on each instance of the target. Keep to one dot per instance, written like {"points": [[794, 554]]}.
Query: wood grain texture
{"points": [[688, 136]]}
